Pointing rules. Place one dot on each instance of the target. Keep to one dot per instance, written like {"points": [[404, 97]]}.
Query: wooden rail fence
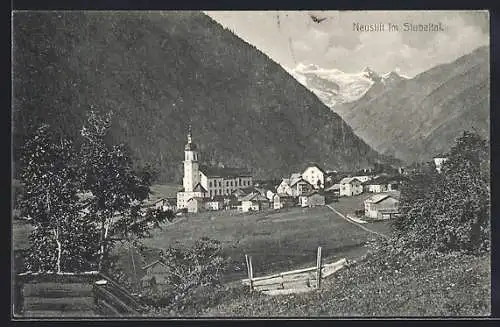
{"points": [[68, 294], [294, 281]]}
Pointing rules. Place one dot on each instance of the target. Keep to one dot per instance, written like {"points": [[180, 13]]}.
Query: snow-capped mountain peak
{"points": [[392, 78], [371, 74], [334, 86]]}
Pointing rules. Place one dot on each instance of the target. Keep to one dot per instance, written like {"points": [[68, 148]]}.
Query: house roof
{"points": [[224, 172], [349, 180], [379, 197], [196, 198], [199, 188], [333, 187], [254, 197], [384, 180], [285, 180], [313, 164], [314, 193], [294, 178], [154, 263]]}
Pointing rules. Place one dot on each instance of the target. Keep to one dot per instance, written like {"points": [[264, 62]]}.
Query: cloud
{"points": [[334, 44]]}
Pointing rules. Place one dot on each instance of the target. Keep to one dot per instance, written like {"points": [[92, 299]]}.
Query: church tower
{"points": [[191, 168]]}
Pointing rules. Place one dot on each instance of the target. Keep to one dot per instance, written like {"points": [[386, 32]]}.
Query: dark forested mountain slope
{"points": [[159, 72]]}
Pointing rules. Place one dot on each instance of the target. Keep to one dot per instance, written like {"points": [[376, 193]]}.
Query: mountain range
{"points": [[412, 119], [161, 72], [333, 86]]}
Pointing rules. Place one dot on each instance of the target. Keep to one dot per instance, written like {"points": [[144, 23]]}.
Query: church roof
{"points": [[199, 188], [224, 172]]}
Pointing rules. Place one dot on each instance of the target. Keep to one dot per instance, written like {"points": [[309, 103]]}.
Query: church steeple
{"points": [[191, 171], [190, 146], [190, 138]]}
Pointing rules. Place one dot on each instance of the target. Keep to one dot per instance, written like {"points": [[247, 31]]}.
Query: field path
{"points": [[355, 223]]}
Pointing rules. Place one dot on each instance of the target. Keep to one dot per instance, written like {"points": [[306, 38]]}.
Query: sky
{"points": [[290, 37]]}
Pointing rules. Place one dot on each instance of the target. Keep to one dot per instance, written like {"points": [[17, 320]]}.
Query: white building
{"points": [[439, 161], [208, 182], [284, 187], [381, 206], [315, 176], [254, 202], [350, 186]]}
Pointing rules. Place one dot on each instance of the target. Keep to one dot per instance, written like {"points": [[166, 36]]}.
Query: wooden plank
{"points": [[327, 271], [318, 268], [311, 272], [106, 309], [58, 304], [58, 314], [286, 273], [296, 284], [106, 295], [51, 289], [285, 279], [268, 287], [288, 291]]}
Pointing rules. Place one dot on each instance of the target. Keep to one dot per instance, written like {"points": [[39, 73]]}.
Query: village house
{"points": [[300, 186], [334, 189], [254, 202], [204, 181], [315, 176], [381, 206], [215, 203], [281, 201], [350, 186], [377, 185], [165, 204], [312, 199], [438, 162], [363, 179], [196, 204], [270, 195], [155, 273], [382, 184], [284, 187]]}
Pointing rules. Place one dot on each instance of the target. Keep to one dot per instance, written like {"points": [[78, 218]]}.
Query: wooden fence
{"points": [[294, 281], [71, 295]]}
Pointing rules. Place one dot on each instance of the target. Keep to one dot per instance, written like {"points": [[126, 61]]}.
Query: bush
{"points": [[190, 274], [448, 211]]}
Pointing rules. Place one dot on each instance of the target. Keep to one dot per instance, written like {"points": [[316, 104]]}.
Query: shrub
{"points": [[448, 211], [191, 274]]}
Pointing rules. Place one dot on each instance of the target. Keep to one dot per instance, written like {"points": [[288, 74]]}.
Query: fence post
{"points": [[249, 271], [318, 268]]}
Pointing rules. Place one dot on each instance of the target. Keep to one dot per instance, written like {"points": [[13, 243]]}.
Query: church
{"points": [[201, 183]]}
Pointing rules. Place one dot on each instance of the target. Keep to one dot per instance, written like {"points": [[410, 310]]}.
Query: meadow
{"points": [[277, 240]]}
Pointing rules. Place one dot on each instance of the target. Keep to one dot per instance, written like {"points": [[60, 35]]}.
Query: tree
{"points": [[118, 189], [82, 200], [449, 211], [49, 175]]}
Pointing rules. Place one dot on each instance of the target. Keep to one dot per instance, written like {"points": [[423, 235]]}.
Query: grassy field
{"points": [[448, 285], [277, 240]]}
